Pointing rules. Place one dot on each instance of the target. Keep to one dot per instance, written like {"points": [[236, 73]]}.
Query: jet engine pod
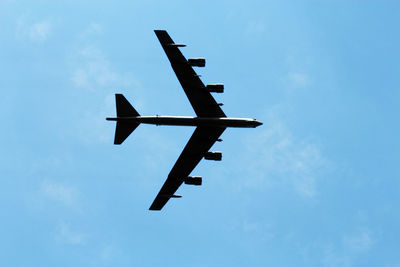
{"points": [[215, 88], [197, 62], [213, 156], [194, 180], [175, 45]]}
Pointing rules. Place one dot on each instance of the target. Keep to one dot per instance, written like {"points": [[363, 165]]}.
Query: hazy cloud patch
{"points": [[298, 79], [279, 156], [37, 32], [92, 29], [93, 70], [61, 193], [352, 246], [65, 234], [358, 242], [97, 78], [264, 230], [91, 127], [255, 27]]}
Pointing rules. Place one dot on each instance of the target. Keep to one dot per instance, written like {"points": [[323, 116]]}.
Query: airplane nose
{"points": [[257, 123]]}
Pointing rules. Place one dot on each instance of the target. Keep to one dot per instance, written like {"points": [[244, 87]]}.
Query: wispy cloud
{"points": [[358, 242], [64, 234], [91, 127], [90, 67], [255, 27], [351, 247], [298, 79], [93, 70], [282, 157], [92, 29], [37, 32], [61, 193]]}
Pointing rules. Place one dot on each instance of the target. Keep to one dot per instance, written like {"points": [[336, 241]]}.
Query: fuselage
{"points": [[191, 121]]}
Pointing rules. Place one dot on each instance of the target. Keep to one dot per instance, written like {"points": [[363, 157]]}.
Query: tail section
{"points": [[124, 129], [124, 108]]}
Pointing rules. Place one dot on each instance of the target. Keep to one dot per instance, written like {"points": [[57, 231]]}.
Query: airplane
{"points": [[210, 121]]}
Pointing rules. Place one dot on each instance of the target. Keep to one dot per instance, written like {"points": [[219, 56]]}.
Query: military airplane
{"points": [[210, 121]]}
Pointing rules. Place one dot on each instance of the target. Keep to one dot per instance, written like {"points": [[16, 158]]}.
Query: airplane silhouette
{"points": [[210, 122]]}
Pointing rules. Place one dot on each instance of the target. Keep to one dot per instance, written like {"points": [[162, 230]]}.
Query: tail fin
{"points": [[124, 108], [124, 129]]}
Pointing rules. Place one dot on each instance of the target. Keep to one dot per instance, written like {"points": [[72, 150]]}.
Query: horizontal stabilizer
{"points": [[123, 130]]}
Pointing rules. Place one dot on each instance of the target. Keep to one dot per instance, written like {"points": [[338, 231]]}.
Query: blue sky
{"points": [[316, 185]]}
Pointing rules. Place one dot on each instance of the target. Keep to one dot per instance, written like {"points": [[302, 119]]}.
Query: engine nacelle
{"points": [[197, 62], [217, 156], [215, 88], [171, 196], [194, 180], [176, 45]]}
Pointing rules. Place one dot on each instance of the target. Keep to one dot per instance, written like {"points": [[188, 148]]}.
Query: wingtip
{"points": [[153, 208]]}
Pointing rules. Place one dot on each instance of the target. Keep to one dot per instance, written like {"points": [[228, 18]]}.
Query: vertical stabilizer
{"points": [[124, 108]]}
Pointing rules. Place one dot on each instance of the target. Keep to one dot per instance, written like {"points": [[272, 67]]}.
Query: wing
{"points": [[203, 103], [201, 141]]}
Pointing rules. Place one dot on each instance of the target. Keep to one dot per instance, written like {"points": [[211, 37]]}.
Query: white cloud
{"points": [[93, 70], [90, 67], [37, 32], [61, 193], [279, 157], [264, 230], [92, 29], [255, 27], [358, 242], [249, 226], [91, 126], [64, 234], [352, 246], [298, 79]]}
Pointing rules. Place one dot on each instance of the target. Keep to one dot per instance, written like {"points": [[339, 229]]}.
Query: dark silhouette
{"points": [[210, 121]]}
